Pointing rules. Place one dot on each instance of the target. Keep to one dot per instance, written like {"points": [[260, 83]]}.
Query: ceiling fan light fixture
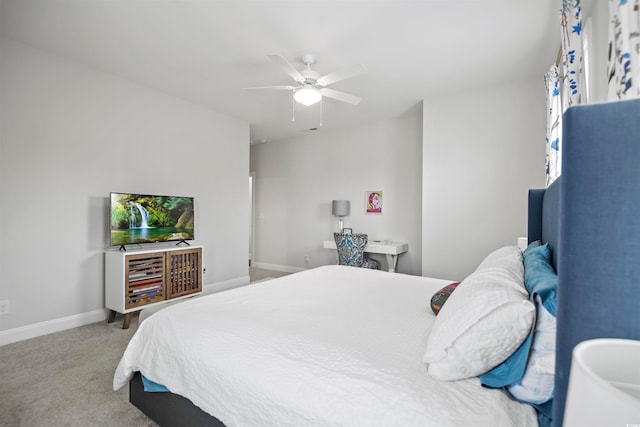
{"points": [[307, 95]]}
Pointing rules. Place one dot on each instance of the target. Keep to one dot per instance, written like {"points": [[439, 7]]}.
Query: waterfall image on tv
{"points": [[139, 218]]}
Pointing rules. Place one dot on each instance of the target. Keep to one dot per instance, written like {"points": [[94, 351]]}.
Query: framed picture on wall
{"points": [[373, 202]]}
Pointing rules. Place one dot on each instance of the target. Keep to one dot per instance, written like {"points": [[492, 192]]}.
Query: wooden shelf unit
{"points": [[139, 279]]}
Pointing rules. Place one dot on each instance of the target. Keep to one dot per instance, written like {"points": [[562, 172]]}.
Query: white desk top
{"points": [[376, 247]]}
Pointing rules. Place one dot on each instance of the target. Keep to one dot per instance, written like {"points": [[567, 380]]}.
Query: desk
{"points": [[391, 250]]}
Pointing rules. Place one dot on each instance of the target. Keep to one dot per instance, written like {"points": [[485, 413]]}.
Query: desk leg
{"points": [[391, 262]]}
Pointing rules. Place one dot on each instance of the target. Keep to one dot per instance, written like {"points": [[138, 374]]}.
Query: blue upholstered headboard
{"points": [[591, 219]]}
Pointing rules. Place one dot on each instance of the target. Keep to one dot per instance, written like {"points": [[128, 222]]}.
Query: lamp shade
{"points": [[604, 383], [340, 207]]}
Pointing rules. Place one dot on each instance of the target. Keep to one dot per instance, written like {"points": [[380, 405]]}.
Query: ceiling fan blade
{"points": [[295, 74], [336, 76], [340, 96], [271, 87]]}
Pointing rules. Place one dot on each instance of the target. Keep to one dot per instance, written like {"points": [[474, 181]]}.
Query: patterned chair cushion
{"points": [[351, 250]]}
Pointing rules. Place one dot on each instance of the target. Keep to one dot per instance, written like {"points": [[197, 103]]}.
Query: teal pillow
{"points": [[511, 370], [532, 246], [539, 276]]}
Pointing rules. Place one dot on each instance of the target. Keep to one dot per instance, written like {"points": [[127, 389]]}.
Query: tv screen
{"points": [[141, 218]]}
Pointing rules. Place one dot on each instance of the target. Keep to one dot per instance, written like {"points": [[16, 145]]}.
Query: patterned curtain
{"points": [[553, 156], [572, 57], [565, 87], [624, 45]]}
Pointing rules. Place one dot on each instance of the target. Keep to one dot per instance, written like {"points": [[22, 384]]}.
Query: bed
{"points": [[334, 345], [339, 345]]}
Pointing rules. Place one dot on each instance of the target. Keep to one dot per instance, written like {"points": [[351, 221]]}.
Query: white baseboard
{"points": [[57, 325], [276, 267], [226, 284], [50, 326]]}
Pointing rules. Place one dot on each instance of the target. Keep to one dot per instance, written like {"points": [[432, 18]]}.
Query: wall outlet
{"points": [[4, 307]]}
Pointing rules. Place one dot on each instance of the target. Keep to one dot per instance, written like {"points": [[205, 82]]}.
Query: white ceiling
{"points": [[208, 51]]}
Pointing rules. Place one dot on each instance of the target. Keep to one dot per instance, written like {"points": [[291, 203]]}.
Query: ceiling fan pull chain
{"points": [[293, 107]]}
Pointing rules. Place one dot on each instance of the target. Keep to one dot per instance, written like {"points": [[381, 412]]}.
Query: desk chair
{"points": [[351, 250]]}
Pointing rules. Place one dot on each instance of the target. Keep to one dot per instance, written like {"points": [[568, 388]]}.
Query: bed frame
{"points": [[591, 219], [168, 409]]}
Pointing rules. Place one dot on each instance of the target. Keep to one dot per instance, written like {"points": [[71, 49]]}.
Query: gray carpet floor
{"points": [[65, 379]]}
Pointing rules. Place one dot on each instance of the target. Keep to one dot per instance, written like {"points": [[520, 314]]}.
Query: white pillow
{"points": [[485, 320], [509, 257]]}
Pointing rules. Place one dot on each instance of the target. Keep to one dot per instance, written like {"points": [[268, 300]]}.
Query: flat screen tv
{"points": [[143, 218]]}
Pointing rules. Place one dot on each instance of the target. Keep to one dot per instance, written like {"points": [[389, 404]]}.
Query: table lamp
{"points": [[340, 208], [604, 384]]}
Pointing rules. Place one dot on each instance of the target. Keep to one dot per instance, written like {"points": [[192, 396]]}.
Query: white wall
{"points": [[68, 136], [296, 180], [482, 151]]}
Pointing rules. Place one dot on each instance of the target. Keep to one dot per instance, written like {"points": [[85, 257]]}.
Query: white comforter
{"points": [[331, 346]]}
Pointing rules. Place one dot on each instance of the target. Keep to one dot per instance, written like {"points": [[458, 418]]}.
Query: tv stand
{"points": [[123, 247], [183, 241], [138, 279]]}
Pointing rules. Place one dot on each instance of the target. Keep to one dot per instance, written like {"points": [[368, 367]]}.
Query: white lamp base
{"points": [[604, 384]]}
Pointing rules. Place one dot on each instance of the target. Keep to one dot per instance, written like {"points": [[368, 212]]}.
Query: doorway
{"points": [[252, 214]]}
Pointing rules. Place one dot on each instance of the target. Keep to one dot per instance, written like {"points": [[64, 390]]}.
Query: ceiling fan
{"points": [[310, 85]]}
